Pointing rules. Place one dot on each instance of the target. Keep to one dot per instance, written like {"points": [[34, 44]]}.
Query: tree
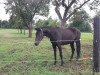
{"points": [[98, 13], [4, 24], [0, 24], [94, 5], [17, 22], [47, 23], [81, 21], [70, 7], [27, 9]]}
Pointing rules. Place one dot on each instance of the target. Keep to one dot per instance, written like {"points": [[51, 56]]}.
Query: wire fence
{"points": [[27, 52], [20, 53]]}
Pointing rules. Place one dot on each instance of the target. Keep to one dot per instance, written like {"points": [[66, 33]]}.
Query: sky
{"points": [[4, 16]]}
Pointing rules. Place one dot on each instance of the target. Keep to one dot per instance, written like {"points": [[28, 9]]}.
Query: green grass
{"points": [[19, 56]]}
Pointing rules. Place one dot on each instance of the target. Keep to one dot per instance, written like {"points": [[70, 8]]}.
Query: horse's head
{"points": [[39, 36]]}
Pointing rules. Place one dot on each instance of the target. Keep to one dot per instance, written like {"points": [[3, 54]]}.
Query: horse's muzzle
{"points": [[35, 44]]}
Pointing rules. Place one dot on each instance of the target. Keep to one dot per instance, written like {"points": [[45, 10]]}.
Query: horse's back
{"points": [[69, 33]]}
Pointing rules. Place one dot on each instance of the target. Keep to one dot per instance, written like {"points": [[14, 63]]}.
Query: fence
{"points": [[96, 43], [20, 53]]}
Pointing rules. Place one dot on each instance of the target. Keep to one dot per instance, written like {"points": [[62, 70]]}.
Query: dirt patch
{"points": [[5, 34]]}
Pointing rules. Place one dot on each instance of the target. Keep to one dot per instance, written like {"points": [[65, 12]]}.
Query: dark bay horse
{"points": [[60, 36]]}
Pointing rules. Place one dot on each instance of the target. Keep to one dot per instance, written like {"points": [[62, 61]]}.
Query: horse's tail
{"points": [[77, 40], [78, 44], [78, 34]]}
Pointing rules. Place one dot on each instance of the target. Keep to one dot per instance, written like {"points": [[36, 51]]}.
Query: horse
{"points": [[60, 36]]}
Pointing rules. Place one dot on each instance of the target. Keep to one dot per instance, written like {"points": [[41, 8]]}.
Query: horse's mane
{"points": [[49, 27]]}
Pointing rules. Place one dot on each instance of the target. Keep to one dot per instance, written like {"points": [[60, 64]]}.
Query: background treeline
{"points": [[80, 20], [5, 24]]}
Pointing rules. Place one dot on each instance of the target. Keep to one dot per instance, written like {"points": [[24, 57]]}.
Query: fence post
{"points": [[96, 45]]}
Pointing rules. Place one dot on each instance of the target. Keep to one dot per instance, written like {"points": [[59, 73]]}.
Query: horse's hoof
{"points": [[54, 63], [61, 64], [76, 60], [70, 60]]}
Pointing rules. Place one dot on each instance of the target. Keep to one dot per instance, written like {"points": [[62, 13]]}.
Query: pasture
{"points": [[19, 56]]}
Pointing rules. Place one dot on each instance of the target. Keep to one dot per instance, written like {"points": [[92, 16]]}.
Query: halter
{"points": [[41, 31]]}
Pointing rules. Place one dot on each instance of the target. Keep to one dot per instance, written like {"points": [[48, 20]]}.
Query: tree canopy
{"points": [[47, 23], [81, 21], [4, 24], [26, 10], [70, 7]]}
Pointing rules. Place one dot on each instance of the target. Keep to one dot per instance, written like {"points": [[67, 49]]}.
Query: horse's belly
{"points": [[66, 42]]}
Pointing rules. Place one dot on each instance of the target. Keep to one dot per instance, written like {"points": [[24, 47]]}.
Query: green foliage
{"points": [[47, 23], [4, 24], [81, 20], [16, 22], [0, 23], [24, 11]]}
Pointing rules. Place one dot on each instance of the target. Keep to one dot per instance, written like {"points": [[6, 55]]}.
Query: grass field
{"points": [[19, 56]]}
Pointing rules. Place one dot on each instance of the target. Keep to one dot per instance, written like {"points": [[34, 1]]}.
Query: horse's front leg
{"points": [[54, 48], [60, 51]]}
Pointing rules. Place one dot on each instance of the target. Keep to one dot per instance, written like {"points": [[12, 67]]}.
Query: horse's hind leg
{"points": [[73, 49], [78, 47]]}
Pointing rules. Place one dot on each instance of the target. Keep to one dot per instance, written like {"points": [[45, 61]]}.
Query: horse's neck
{"points": [[48, 34]]}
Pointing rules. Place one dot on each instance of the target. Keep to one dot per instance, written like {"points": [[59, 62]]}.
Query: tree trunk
{"points": [[24, 31], [63, 23], [20, 31], [30, 30]]}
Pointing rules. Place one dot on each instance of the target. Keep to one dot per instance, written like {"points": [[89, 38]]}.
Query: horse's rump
{"points": [[68, 34]]}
